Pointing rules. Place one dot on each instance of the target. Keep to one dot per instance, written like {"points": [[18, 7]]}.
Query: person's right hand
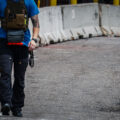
{"points": [[31, 45]]}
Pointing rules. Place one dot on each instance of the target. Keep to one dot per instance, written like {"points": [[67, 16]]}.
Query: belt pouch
{"points": [[15, 36]]}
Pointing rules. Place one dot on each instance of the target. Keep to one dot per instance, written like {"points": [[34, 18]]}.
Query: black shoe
{"points": [[5, 109], [17, 112]]}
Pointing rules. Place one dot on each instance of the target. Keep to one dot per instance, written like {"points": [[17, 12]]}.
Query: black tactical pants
{"points": [[13, 93]]}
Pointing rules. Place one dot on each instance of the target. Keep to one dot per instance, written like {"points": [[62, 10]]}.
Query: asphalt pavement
{"points": [[74, 80]]}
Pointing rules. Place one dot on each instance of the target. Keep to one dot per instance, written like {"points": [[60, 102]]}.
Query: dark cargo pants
{"points": [[12, 94]]}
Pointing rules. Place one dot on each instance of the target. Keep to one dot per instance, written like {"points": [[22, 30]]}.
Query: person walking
{"points": [[15, 44]]}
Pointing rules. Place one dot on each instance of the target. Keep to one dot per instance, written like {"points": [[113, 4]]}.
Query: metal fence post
{"points": [[73, 1], [38, 4], [96, 1], [116, 2], [53, 2]]}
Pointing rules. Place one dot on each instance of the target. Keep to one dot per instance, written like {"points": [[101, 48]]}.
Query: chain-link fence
{"points": [[100, 1], [106, 1], [84, 1], [43, 3], [63, 2]]}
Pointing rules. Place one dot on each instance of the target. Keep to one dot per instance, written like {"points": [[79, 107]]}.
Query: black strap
{"points": [[31, 59], [11, 1], [21, 1]]}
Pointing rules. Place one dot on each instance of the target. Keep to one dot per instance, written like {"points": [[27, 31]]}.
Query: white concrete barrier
{"points": [[110, 20], [50, 24], [68, 22], [71, 22], [81, 20]]}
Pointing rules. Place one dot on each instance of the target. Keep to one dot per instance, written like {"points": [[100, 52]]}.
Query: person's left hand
{"points": [[32, 45]]}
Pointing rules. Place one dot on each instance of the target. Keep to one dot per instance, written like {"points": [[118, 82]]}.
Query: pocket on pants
{"points": [[5, 63]]}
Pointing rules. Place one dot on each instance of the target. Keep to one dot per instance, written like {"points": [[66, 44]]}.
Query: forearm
{"points": [[35, 32], [36, 28]]}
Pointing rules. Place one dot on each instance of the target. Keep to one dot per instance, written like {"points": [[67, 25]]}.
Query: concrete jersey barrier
{"points": [[110, 19], [82, 20], [70, 22], [50, 19], [50, 24]]}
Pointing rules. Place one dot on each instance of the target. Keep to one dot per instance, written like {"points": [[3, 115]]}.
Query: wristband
{"points": [[34, 40]]}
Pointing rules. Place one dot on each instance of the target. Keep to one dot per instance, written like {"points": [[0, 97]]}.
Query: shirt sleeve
{"points": [[2, 8], [33, 9]]}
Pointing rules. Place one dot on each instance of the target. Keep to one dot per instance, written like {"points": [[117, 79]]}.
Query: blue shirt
{"points": [[31, 10]]}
